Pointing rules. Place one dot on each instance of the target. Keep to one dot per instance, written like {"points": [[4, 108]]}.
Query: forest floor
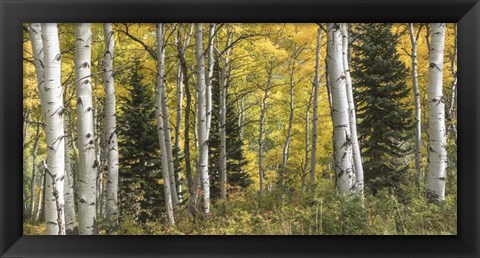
{"points": [[323, 213]]}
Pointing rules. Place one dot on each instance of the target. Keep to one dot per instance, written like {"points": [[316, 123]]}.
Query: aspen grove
{"points": [[240, 129]]}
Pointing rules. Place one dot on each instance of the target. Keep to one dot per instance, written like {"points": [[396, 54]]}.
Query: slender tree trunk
{"points": [[26, 118], [41, 196], [111, 207], [177, 131], [70, 217], [211, 63], [51, 93], [202, 119], [451, 112], [341, 124], [357, 158], [289, 130], [222, 126], [100, 151], [223, 133], [34, 171], [179, 105], [436, 177], [165, 112], [263, 111], [315, 110], [178, 120], [35, 31], [86, 136], [169, 202], [418, 107], [307, 145], [188, 97]]}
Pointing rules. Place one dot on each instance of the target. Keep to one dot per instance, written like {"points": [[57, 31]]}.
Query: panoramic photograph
{"points": [[239, 129]]}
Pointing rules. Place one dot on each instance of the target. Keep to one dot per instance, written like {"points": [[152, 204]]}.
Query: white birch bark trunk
{"points": [[307, 144], [202, 118], [418, 107], [70, 217], [436, 177], [86, 135], [211, 63], [263, 111], [451, 112], [169, 202], [181, 48], [111, 206], [178, 124], [315, 110], [286, 146], [223, 80], [53, 111], [161, 87], [179, 105], [34, 170], [341, 123], [357, 158], [223, 133]]}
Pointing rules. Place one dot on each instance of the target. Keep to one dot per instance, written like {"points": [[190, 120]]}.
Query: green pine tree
{"points": [[140, 193], [236, 176], [385, 122]]}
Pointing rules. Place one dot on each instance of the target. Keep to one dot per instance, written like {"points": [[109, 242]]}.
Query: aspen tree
{"points": [[51, 92], [418, 107], [437, 166], [162, 87], [357, 158], [202, 119], [341, 124], [160, 126], [111, 206], [316, 83], [85, 127]]}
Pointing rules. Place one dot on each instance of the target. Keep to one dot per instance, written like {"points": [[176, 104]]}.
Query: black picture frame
{"points": [[15, 12]]}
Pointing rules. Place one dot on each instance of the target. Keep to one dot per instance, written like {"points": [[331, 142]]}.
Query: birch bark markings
{"points": [[111, 206], [436, 177], [357, 158], [211, 63], [70, 216], [53, 111], [160, 126], [451, 111], [418, 107], [162, 91], [202, 118], [341, 124], [86, 135]]}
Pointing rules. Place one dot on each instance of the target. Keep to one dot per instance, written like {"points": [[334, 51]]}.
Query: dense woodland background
{"points": [[237, 129]]}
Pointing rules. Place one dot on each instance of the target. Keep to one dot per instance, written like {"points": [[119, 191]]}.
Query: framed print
{"points": [[238, 128]]}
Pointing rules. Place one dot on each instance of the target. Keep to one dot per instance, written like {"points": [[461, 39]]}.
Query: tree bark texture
{"points": [[436, 177], [85, 128], [341, 123], [160, 125]]}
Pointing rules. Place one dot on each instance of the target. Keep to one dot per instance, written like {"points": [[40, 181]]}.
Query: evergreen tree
{"points": [[236, 176], [385, 120], [141, 194]]}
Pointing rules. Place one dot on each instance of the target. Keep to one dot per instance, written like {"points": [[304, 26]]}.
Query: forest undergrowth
{"points": [[324, 213]]}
